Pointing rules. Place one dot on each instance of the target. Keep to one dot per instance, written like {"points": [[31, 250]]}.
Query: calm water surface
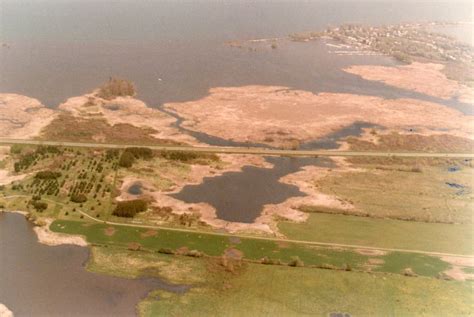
{"points": [[39, 280], [59, 49]]}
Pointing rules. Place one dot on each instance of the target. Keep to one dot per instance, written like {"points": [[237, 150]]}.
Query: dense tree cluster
{"points": [[111, 154], [78, 198], [130, 208], [116, 88], [126, 159], [187, 156], [39, 205], [129, 155]]}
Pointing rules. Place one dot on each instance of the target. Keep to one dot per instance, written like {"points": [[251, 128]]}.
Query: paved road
{"points": [[238, 150], [306, 242]]}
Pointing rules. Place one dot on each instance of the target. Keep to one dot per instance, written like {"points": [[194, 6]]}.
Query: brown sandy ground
{"points": [[159, 178], [426, 78], [6, 168], [124, 117], [22, 117], [280, 116], [407, 189], [419, 141], [48, 237], [456, 271], [305, 180], [88, 118], [318, 183], [4, 311]]}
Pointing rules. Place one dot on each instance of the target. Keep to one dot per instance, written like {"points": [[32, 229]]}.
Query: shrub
{"points": [[126, 159], [269, 261], [130, 208], [416, 170], [166, 251], [78, 198], [40, 206], [402, 57], [296, 262], [194, 253]]}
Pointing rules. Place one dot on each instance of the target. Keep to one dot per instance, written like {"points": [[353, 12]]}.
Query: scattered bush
{"points": [[130, 208]]}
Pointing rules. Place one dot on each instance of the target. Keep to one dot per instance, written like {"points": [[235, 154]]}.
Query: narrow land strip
{"points": [[237, 150], [305, 242]]}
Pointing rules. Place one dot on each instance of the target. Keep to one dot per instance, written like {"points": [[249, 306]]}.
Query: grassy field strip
{"points": [[236, 150], [304, 242]]}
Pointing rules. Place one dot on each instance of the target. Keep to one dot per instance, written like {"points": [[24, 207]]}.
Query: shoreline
{"points": [[5, 312], [46, 236]]}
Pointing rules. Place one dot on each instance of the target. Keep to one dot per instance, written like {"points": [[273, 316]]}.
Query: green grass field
{"points": [[252, 249], [395, 191], [264, 290], [383, 233], [284, 291]]}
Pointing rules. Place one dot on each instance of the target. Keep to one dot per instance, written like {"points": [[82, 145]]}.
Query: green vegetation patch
{"points": [[189, 157], [261, 290], [259, 250], [398, 192], [62, 178], [420, 264], [383, 233]]}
